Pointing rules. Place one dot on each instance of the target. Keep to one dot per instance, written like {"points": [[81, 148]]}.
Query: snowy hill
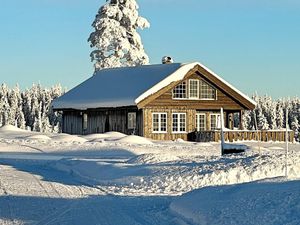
{"points": [[69, 179]]}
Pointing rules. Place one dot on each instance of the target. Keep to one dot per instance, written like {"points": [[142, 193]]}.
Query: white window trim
{"points": [[186, 91], [178, 127], [203, 114], [188, 97], [85, 121], [212, 86], [198, 89], [131, 127], [181, 98], [159, 123], [214, 114]]}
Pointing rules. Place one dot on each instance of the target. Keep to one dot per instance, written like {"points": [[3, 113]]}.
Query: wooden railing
{"points": [[241, 135]]}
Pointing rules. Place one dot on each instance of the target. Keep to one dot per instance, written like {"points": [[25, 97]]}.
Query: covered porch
{"points": [[211, 120]]}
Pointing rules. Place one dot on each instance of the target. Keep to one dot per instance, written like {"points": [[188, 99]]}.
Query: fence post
{"points": [[287, 141]]}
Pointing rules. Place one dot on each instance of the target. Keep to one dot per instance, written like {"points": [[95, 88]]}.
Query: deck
{"points": [[241, 135]]}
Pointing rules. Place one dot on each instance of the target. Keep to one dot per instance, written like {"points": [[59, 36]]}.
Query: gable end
{"points": [[211, 78]]}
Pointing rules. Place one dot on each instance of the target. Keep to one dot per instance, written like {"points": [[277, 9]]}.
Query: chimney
{"points": [[167, 60]]}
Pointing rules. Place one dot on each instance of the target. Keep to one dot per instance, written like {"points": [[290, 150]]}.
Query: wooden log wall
{"points": [[102, 120], [169, 135], [113, 120], [222, 100], [190, 123], [72, 123]]}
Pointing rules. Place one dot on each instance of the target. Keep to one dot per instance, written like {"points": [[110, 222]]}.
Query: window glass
{"points": [[131, 120], [159, 122], [207, 91], [200, 121], [180, 90], [215, 121], [178, 122], [193, 89], [85, 121]]}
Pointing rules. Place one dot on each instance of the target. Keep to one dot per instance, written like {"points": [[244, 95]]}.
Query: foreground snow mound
{"points": [[252, 203], [68, 138], [38, 137], [132, 139], [171, 174], [10, 128], [153, 158], [108, 136]]}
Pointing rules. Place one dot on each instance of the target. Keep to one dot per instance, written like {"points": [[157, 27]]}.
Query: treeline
{"points": [[271, 114], [30, 109]]}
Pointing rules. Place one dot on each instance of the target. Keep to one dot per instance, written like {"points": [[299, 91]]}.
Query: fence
{"points": [[241, 135]]}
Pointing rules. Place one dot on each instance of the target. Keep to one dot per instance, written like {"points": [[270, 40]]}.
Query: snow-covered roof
{"points": [[115, 87], [127, 86]]}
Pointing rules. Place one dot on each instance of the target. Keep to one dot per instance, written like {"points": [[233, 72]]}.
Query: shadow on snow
{"points": [[91, 210]]}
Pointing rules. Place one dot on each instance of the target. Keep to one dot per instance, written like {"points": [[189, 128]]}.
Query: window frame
{"points": [[198, 89], [186, 91], [85, 121], [178, 131], [133, 127], [215, 114], [198, 124], [209, 85], [160, 123]]}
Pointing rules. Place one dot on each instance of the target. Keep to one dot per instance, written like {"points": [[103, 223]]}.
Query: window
{"points": [[85, 121], [193, 89], [131, 118], [215, 121], [159, 122], [200, 121], [180, 90], [178, 122], [207, 91]]}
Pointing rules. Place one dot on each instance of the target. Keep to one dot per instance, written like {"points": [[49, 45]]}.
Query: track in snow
{"points": [[33, 193]]}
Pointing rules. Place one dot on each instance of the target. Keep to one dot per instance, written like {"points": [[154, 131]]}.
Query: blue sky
{"points": [[255, 45]]}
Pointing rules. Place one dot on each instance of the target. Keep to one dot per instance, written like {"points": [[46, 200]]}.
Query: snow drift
{"points": [[266, 202]]}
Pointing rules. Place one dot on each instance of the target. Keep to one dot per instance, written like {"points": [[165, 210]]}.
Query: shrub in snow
{"points": [[115, 37]]}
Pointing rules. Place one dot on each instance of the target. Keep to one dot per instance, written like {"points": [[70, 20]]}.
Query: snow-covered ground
{"points": [[113, 178]]}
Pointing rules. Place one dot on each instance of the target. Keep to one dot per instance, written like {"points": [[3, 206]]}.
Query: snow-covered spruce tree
{"points": [[279, 114], [4, 105], [115, 38]]}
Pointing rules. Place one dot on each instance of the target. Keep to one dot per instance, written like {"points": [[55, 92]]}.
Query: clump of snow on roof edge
{"points": [[176, 76]]}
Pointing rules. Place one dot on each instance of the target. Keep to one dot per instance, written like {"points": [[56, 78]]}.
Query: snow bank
{"points": [[114, 134], [68, 138], [104, 136], [184, 175], [38, 137], [152, 158], [10, 128], [275, 202], [133, 139]]}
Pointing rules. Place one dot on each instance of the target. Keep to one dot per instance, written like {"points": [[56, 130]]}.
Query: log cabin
{"points": [[162, 102]]}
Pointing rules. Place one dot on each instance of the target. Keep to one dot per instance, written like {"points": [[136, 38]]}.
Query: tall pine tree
{"points": [[115, 37]]}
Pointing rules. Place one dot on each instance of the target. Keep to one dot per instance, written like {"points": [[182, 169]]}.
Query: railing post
{"points": [[222, 134], [287, 142]]}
